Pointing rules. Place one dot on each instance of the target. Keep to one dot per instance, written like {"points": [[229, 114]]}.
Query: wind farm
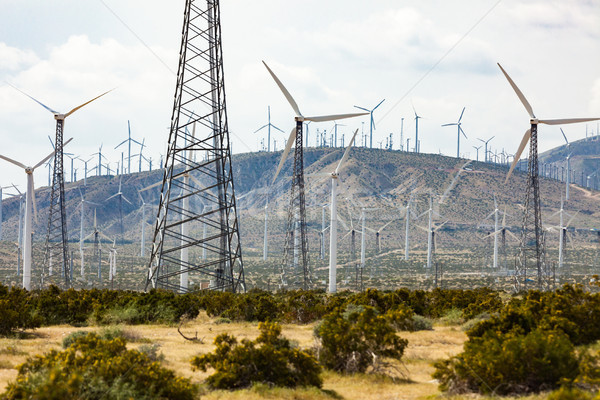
{"points": [[418, 210]]}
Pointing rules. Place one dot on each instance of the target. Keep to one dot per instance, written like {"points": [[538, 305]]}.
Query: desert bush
{"points": [[303, 306], [72, 337], [152, 352], [269, 359], [570, 393], [421, 323], [16, 310], [256, 305], [506, 363], [357, 338], [96, 368], [452, 317], [568, 309]]}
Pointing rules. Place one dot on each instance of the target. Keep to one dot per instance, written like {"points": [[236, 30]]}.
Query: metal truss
{"points": [[196, 240]]}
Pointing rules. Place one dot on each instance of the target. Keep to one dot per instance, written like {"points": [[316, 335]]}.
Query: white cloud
{"points": [[13, 59]]}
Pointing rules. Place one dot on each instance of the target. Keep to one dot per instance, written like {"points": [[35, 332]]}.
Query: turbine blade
{"points": [[86, 103], [524, 141], [378, 105], [287, 94], [274, 127], [286, 151], [10, 160], [519, 93], [114, 195], [461, 114], [565, 136], [125, 198], [326, 118], [566, 121], [454, 123], [262, 127], [49, 156], [463, 132], [362, 108], [513, 235], [37, 101], [345, 156], [151, 186]]}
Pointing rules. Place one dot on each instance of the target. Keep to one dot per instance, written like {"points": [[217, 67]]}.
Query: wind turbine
{"points": [[562, 233], [460, 130], [335, 126], [532, 181], [297, 212], [333, 221], [372, 123], [5, 187], [477, 149], [81, 237], [417, 117], [485, 154], [100, 156], [431, 230], [30, 211], [128, 141], [121, 197], [269, 125], [378, 234]]}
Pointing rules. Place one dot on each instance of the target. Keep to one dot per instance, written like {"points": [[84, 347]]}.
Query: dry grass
{"points": [[424, 348]]}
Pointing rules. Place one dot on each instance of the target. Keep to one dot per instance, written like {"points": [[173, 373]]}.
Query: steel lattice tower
{"points": [[197, 189], [57, 244], [295, 269], [531, 250]]}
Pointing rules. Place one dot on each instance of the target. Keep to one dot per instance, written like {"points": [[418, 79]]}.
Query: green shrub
{"points": [[72, 337], [95, 368], [356, 339], [567, 393], [568, 309], [401, 317], [421, 323], [152, 352], [222, 320], [452, 317], [269, 359], [511, 363], [16, 310]]}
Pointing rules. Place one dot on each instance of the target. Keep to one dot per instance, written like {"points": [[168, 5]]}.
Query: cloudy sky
{"points": [[331, 55]]}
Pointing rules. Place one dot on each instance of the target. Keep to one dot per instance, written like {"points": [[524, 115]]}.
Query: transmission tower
{"points": [[295, 269], [57, 243], [197, 189], [531, 254]]}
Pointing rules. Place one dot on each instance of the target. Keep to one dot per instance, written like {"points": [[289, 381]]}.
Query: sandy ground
{"points": [[423, 348]]}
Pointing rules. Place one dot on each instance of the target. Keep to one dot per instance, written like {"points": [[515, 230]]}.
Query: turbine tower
{"points": [[296, 241], [128, 141], [269, 125], [417, 117], [57, 245], [567, 181], [485, 154], [30, 211], [532, 218], [205, 158], [460, 130], [372, 123], [334, 216]]}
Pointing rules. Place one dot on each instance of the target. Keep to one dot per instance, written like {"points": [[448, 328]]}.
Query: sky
{"points": [[437, 57]]}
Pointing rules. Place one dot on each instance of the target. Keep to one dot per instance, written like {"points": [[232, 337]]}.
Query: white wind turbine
{"points": [[431, 230], [5, 187], [30, 211], [534, 121], [300, 119], [334, 218], [567, 181], [81, 237], [460, 130], [563, 233], [378, 234]]}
